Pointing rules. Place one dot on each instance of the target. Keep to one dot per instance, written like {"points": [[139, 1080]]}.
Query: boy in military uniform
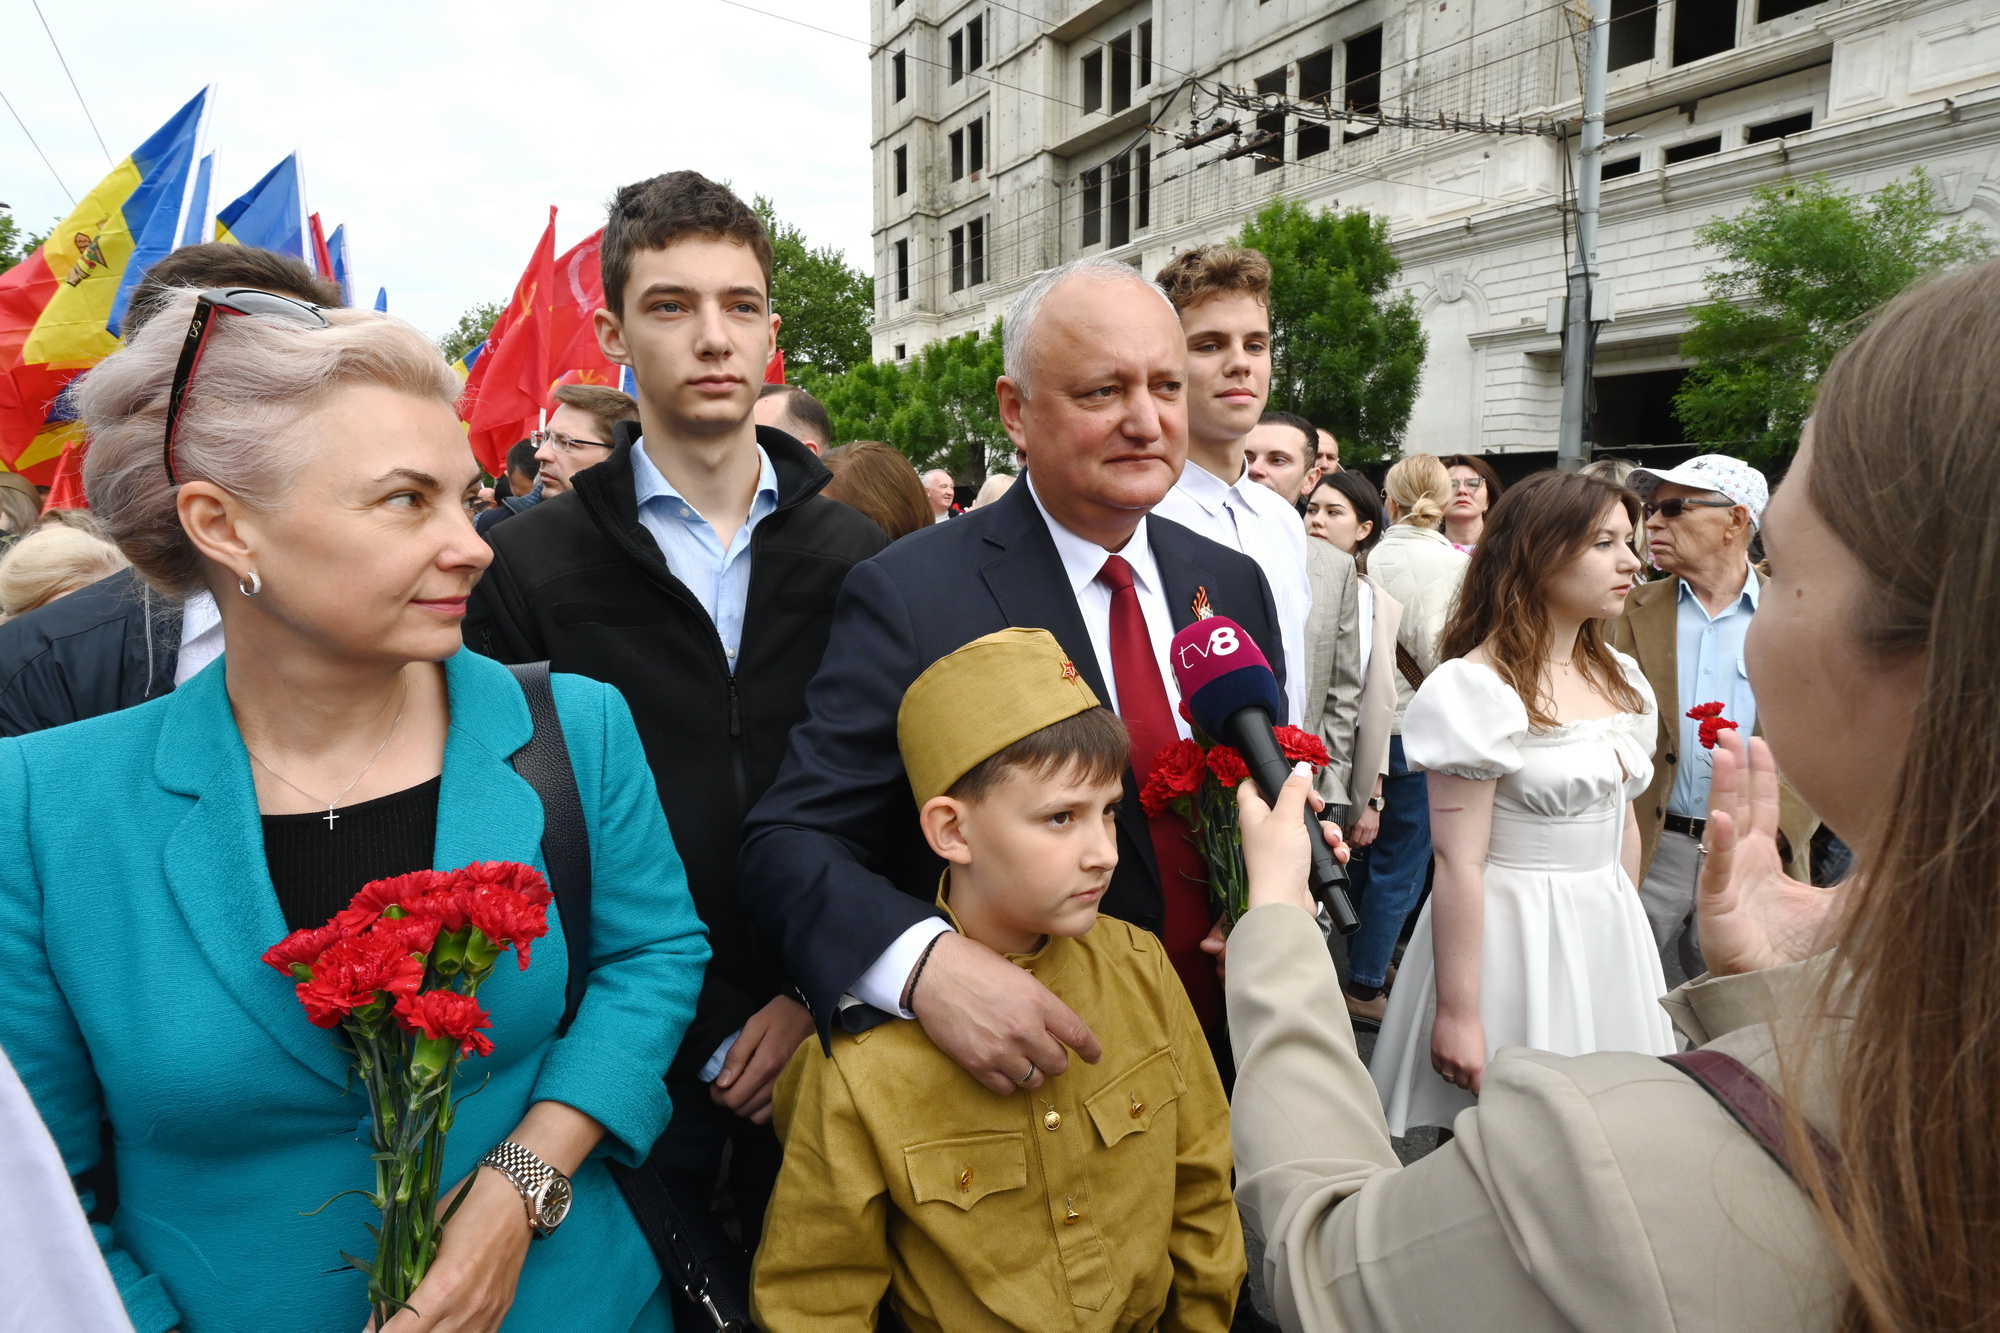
{"points": [[1099, 1200]]}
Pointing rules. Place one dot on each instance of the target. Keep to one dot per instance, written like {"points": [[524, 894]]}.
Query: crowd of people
{"points": [[897, 1003]]}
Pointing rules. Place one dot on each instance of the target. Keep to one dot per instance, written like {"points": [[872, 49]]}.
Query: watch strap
{"points": [[529, 1174]]}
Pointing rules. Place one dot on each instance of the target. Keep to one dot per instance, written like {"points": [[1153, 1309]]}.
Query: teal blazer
{"points": [[134, 905]]}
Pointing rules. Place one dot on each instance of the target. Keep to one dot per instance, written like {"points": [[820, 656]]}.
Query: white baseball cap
{"points": [[1732, 477]]}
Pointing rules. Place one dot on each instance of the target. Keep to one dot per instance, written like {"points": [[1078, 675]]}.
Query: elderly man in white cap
{"points": [[1687, 633]]}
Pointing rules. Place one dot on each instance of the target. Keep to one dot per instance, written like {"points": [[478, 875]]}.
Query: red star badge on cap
{"points": [[1069, 670]]}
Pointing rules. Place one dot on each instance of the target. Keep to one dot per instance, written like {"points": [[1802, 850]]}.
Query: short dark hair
{"points": [[653, 214], [1092, 744], [1299, 424], [219, 264], [608, 406], [1365, 499], [1483, 468], [803, 408], [521, 458]]}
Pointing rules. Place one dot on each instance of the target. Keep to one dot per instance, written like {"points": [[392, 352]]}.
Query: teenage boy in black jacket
{"points": [[696, 570]]}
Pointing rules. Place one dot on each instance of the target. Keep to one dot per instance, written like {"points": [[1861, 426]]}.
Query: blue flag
{"points": [[271, 215]]}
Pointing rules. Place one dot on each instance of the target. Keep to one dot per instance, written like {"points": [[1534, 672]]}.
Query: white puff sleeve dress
{"points": [[1567, 961]]}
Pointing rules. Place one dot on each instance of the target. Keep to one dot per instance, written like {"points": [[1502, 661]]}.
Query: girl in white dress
{"points": [[1537, 737]]}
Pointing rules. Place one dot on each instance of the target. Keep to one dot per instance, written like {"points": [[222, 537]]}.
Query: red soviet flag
{"points": [[544, 333]]}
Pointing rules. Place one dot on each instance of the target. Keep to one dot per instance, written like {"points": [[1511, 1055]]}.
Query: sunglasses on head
{"points": [[225, 301], [1675, 507]]}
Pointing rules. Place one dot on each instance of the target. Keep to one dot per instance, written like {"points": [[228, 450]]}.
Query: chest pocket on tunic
{"points": [[964, 1171], [1134, 1099]]}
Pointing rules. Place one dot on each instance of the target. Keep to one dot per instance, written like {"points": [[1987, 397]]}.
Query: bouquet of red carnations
{"points": [[1713, 723], [1197, 780], [396, 972]]}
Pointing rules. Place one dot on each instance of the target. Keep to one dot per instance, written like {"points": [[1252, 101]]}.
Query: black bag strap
{"points": [[544, 764]]}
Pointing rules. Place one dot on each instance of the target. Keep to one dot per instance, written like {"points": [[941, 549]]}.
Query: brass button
{"points": [[1053, 1120], [965, 1181], [1138, 1107]]}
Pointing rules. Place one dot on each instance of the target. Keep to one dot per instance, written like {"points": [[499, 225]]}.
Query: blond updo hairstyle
{"points": [[1420, 488], [242, 421], [50, 562]]}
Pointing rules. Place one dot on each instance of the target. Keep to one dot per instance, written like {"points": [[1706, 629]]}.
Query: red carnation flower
{"points": [[1713, 723], [506, 916], [446, 1015], [1228, 766], [1176, 772], [522, 879], [1302, 746], [1701, 712], [410, 934], [378, 895], [302, 948], [350, 974]]}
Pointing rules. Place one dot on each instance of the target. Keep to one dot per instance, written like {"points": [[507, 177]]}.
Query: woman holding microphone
{"points": [[1620, 1190]]}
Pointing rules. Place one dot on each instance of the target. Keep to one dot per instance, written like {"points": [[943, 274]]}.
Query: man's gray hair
{"points": [[1019, 324]]}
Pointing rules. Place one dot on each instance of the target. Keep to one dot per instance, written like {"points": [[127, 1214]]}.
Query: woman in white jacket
{"points": [[1421, 570]]}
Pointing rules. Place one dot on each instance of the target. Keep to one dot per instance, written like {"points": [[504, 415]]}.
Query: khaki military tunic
{"points": [[1099, 1201], [1598, 1192]]}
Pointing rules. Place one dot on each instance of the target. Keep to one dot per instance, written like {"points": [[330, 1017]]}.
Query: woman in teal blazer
{"points": [[138, 893]]}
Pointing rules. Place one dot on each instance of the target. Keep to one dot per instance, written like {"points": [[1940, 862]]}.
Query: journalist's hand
{"points": [[758, 1057], [1004, 1027], [1277, 859], [1750, 914]]}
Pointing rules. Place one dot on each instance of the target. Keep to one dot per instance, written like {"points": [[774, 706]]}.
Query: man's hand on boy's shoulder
{"points": [[994, 1019], [761, 1051]]}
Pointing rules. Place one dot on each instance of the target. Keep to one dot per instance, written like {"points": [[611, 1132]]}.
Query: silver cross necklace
{"points": [[330, 815]]}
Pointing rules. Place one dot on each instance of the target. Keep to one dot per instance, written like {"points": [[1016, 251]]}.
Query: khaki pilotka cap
{"points": [[971, 704]]}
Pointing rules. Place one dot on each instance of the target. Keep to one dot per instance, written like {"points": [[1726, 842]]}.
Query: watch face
{"points": [[555, 1203]]}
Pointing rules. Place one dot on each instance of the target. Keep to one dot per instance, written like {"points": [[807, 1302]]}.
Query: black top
{"points": [[102, 648], [318, 869]]}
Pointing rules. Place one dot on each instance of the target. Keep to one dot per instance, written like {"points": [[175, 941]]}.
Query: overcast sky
{"points": [[441, 132]]}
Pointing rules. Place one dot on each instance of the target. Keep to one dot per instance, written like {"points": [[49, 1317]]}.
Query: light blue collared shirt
{"points": [[1708, 650], [719, 579]]}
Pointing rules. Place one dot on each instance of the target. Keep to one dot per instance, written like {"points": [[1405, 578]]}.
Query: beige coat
{"points": [[1422, 570], [1333, 662], [1601, 1192], [1649, 632], [1378, 697]]}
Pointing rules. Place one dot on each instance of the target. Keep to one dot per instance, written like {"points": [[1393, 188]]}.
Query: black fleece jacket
{"points": [[579, 582]]}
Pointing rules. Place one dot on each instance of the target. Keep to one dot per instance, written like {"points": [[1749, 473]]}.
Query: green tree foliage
{"points": [[470, 331], [826, 304], [1804, 266], [1346, 354], [939, 409], [16, 243]]}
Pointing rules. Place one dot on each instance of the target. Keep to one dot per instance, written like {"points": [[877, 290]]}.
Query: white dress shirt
{"points": [[883, 983], [718, 577], [201, 637], [1250, 517]]}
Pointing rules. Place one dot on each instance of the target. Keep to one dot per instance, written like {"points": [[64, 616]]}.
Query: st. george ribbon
{"points": [[1232, 695]]}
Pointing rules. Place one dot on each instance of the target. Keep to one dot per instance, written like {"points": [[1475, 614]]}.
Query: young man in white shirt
{"points": [[1223, 296]]}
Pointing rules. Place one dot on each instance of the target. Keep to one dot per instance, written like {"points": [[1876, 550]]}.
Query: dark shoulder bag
{"points": [[692, 1251]]}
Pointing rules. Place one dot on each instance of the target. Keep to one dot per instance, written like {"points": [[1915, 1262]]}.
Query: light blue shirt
{"points": [[1708, 650], [719, 578]]}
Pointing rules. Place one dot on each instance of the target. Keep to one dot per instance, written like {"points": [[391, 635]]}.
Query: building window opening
{"points": [[1703, 28], [1777, 9], [975, 44], [1624, 166], [1315, 84], [1121, 71], [958, 259], [1145, 53], [975, 247], [1270, 126], [1694, 148], [957, 140], [1633, 24], [902, 351], [956, 45], [1093, 206], [1121, 199], [1778, 129], [903, 170], [902, 75], [1363, 88], [1143, 156], [902, 273], [1093, 81], [975, 147]]}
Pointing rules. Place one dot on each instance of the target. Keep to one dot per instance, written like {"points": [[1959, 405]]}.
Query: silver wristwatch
{"points": [[1377, 804], [545, 1189]]}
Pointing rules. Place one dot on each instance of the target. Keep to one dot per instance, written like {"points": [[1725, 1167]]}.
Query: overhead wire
{"points": [[38, 149], [108, 159]]}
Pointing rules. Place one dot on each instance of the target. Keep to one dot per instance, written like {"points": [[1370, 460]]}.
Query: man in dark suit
{"points": [[833, 865]]}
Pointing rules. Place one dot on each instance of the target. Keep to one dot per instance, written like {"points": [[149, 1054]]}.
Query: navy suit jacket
{"points": [[834, 866]]}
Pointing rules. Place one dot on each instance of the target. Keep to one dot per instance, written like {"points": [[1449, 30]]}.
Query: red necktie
{"points": [[1142, 703]]}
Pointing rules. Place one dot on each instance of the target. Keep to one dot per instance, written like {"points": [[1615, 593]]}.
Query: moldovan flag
{"points": [[271, 215], [60, 307], [544, 333]]}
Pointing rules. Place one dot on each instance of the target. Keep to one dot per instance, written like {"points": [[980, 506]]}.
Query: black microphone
{"points": [[1232, 694]]}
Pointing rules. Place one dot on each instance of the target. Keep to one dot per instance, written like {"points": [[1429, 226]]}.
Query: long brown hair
{"points": [[880, 482], [1906, 442], [1534, 532]]}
